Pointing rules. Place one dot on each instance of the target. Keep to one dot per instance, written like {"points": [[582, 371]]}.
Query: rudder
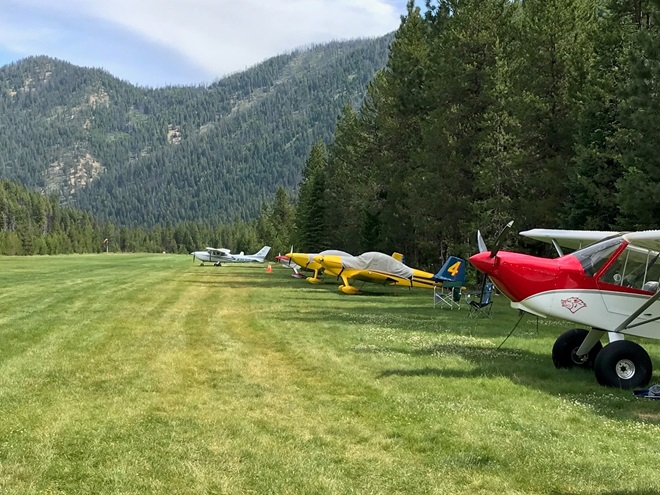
{"points": [[452, 271]]}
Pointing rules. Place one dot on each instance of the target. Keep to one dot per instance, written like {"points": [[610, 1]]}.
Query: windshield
{"points": [[594, 257]]}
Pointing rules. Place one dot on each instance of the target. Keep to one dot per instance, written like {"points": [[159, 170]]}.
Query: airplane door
{"points": [[628, 283]]}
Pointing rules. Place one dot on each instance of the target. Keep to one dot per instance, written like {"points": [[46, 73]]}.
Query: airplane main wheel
{"points": [[623, 364], [564, 352]]}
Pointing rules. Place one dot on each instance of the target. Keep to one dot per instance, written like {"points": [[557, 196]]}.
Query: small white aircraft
{"points": [[217, 256]]}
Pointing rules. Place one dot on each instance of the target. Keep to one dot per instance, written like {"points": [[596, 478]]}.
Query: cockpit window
{"points": [[594, 257], [636, 268]]}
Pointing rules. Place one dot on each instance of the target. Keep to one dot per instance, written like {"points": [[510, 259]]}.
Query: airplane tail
{"points": [[262, 253], [452, 271], [397, 256]]}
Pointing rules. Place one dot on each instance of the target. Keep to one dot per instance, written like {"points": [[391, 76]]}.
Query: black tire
{"points": [[566, 345], [623, 364]]}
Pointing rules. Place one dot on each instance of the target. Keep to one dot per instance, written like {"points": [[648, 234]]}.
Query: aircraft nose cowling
{"points": [[484, 263], [519, 276]]}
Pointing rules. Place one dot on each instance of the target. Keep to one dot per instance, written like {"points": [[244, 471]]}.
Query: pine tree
{"points": [[639, 136], [310, 225]]}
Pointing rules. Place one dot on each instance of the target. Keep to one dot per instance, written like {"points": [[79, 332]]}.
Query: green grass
{"points": [[140, 374]]}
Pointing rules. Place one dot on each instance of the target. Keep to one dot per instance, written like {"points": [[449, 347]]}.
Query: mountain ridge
{"points": [[147, 156]]}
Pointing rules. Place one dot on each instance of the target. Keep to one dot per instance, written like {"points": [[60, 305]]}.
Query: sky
{"points": [[155, 43]]}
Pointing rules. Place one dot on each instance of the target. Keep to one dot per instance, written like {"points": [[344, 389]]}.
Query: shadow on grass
{"points": [[486, 362], [414, 327], [235, 283], [232, 279], [531, 370]]}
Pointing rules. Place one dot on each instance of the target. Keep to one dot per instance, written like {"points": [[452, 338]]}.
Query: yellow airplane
{"points": [[305, 261], [379, 268]]}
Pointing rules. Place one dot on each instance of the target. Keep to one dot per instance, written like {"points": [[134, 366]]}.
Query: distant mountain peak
{"points": [[144, 156]]}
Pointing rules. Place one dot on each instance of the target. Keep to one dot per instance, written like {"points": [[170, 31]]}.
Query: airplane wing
{"points": [[223, 251], [372, 277], [571, 239], [646, 239]]}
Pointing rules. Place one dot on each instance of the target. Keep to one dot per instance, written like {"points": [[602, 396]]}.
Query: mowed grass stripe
{"points": [[92, 367], [146, 374]]}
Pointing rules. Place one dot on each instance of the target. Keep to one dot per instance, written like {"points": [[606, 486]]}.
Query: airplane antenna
{"points": [[522, 313]]}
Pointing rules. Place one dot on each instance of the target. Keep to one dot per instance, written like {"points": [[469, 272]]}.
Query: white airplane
{"points": [[610, 285], [217, 256]]}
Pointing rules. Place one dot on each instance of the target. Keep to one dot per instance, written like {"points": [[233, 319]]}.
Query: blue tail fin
{"points": [[452, 271]]}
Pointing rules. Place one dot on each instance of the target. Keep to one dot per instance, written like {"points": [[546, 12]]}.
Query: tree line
{"points": [[541, 111], [34, 224]]}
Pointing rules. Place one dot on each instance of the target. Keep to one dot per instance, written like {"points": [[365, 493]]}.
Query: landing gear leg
{"points": [[564, 352]]}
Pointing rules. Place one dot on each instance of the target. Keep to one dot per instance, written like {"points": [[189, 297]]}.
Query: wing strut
{"points": [[557, 247]]}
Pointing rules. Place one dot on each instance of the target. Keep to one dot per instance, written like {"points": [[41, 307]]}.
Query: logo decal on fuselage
{"points": [[573, 304]]}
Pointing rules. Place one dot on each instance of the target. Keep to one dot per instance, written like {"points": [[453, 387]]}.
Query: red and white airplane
{"points": [[609, 286], [286, 261]]}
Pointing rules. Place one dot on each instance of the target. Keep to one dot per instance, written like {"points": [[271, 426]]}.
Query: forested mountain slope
{"points": [[143, 156]]}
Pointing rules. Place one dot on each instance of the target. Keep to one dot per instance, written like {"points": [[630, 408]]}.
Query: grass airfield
{"points": [[145, 374]]}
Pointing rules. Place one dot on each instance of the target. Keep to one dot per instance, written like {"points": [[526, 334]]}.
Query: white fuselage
{"points": [[206, 257], [595, 308]]}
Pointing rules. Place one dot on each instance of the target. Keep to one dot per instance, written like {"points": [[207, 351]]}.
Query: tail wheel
{"points": [[623, 364], [564, 352]]}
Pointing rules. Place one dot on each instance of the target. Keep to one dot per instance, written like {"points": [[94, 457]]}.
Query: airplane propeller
{"points": [[482, 248], [482, 245]]}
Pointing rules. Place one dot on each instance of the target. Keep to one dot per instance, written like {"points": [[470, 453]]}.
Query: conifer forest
{"points": [[472, 113]]}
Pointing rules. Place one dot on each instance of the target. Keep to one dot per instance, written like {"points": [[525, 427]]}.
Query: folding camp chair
{"points": [[448, 295], [481, 303]]}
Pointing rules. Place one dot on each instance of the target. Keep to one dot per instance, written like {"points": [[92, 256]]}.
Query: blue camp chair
{"points": [[452, 276], [481, 303]]}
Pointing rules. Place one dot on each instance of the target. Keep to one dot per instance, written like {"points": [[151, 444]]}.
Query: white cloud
{"points": [[223, 36]]}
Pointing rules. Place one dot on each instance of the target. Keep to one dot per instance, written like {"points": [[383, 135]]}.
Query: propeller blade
{"points": [[481, 243], [493, 253]]}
